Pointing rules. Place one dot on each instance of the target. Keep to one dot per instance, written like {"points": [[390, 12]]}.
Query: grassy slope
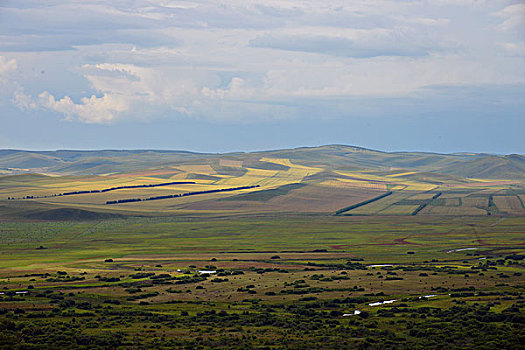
{"points": [[490, 167], [334, 156], [323, 190]]}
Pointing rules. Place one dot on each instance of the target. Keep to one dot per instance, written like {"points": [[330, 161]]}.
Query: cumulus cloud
{"points": [[120, 87], [126, 90], [23, 100], [92, 109], [8, 87]]}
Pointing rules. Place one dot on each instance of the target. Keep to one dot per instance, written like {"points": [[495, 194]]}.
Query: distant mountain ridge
{"points": [[336, 157]]}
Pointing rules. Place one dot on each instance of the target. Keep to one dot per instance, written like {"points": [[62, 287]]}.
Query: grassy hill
{"points": [[490, 167], [332, 156], [308, 180], [28, 160]]}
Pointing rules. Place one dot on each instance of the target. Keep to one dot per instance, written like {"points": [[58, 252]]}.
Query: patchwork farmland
{"points": [[266, 183]]}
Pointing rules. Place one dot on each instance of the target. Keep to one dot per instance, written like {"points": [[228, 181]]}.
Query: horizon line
{"points": [[245, 151]]}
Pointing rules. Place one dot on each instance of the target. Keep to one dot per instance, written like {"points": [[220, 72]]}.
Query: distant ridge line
{"points": [[341, 157]]}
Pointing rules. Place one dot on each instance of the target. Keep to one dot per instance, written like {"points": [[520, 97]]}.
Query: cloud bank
{"points": [[250, 60]]}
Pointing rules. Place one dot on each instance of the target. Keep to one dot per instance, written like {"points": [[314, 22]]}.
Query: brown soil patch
{"points": [[311, 198]]}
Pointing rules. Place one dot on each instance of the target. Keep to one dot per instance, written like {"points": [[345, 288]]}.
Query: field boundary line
{"points": [[354, 206]]}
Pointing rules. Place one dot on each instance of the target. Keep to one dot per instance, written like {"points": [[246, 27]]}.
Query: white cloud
{"points": [[428, 21], [350, 42], [92, 109], [8, 87], [7, 65], [220, 58], [125, 90], [236, 89], [514, 17], [381, 76], [23, 100], [514, 49]]}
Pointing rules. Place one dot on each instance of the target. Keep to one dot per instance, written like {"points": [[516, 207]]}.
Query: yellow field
{"points": [[402, 174], [345, 183]]}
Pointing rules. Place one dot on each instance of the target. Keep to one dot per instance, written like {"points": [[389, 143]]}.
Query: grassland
{"points": [[277, 281], [265, 267]]}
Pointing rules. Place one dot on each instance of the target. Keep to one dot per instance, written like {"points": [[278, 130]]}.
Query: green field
{"points": [[277, 280]]}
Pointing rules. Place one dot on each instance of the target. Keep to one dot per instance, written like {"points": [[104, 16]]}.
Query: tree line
{"points": [[110, 189], [344, 210], [180, 195]]}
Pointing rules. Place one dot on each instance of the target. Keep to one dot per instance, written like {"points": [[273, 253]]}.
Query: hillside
{"points": [[326, 180], [490, 167], [339, 157]]}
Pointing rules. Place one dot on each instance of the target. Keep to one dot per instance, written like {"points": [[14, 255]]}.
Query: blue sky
{"points": [[434, 75]]}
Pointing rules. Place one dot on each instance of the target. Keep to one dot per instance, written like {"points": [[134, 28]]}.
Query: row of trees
{"points": [[180, 195], [109, 189]]}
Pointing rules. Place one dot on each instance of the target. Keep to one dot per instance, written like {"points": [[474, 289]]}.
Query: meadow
{"points": [[268, 282]]}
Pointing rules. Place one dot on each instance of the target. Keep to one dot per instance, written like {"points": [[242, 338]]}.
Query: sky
{"points": [[240, 75]]}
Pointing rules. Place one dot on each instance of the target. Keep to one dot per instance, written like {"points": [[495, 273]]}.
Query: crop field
{"points": [[509, 204], [398, 210], [313, 198], [382, 204], [165, 282], [477, 202], [442, 210], [265, 184], [422, 196]]}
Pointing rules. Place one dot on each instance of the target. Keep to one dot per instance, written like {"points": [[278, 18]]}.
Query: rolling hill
{"points": [[65, 162], [56, 185], [489, 167]]}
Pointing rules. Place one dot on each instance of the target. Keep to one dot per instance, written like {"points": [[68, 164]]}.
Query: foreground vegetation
{"points": [[263, 282]]}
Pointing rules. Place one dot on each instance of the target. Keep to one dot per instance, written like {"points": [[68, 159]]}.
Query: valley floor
{"points": [[263, 281]]}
